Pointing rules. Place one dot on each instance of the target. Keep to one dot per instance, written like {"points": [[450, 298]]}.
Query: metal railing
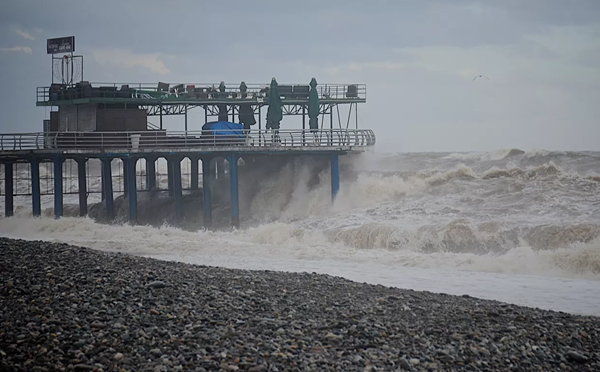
{"points": [[194, 91], [153, 140]]}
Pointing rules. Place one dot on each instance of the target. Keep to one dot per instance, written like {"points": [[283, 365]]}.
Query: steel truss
{"points": [[337, 119], [157, 110]]}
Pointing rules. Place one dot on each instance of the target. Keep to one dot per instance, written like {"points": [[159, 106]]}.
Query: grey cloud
{"points": [[412, 107], [211, 27]]}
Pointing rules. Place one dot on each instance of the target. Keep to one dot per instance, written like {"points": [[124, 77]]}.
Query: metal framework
{"points": [[199, 93], [22, 178], [206, 141], [164, 99], [67, 69], [129, 159]]}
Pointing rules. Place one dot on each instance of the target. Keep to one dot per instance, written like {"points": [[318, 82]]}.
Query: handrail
{"points": [[178, 140], [194, 91]]}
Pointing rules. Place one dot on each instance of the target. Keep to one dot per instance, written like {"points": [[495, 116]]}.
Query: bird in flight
{"points": [[480, 76]]}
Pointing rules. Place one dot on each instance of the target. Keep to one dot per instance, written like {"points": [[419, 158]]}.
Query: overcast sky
{"points": [[418, 59]]}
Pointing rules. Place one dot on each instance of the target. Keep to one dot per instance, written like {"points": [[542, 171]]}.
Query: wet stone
{"points": [[210, 318]]}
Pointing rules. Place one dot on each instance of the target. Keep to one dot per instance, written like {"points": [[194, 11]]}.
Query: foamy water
{"points": [[520, 227]]}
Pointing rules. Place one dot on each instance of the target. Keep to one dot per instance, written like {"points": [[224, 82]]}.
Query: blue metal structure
{"points": [[302, 143]]}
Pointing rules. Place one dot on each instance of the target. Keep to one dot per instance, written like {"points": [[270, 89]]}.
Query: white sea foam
{"points": [[284, 241], [534, 215]]}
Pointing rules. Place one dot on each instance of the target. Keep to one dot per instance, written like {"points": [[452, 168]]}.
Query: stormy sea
{"points": [[517, 226]]}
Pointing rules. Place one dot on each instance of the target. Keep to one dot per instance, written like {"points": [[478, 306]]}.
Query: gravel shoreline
{"points": [[76, 309]]}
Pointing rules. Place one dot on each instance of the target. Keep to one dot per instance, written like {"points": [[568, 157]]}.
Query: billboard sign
{"points": [[61, 45]]}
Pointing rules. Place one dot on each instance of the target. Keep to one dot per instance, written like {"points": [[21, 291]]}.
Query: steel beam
{"points": [[58, 186], [186, 119], [207, 202], [233, 191], [303, 125], [170, 109], [82, 186], [35, 187], [9, 205]]}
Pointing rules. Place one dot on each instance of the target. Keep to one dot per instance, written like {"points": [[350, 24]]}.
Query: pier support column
{"points": [[132, 188], [233, 191], [125, 162], [176, 186], [186, 124], [303, 125], [335, 175], [102, 191], [82, 186], [207, 205], [150, 173], [36, 201], [170, 177], [58, 186], [108, 188], [9, 206], [194, 173]]}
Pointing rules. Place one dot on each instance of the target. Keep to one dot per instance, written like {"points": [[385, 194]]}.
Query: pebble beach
{"points": [[66, 308]]}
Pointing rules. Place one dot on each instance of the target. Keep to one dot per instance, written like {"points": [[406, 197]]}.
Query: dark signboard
{"points": [[61, 45]]}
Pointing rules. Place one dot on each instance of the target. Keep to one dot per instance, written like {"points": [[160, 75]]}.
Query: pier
{"points": [[33, 149], [77, 132], [111, 123]]}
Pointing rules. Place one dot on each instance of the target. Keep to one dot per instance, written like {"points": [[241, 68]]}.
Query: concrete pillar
{"points": [[35, 187], [58, 186], [9, 205], [82, 186], [207, 205]]}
